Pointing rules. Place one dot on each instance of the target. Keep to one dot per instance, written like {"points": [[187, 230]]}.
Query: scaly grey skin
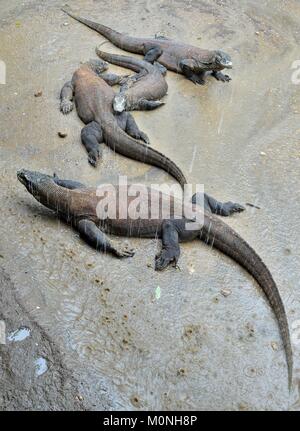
{"points": [[189, 60], [94, 99], [80, 208], [141, 91]]}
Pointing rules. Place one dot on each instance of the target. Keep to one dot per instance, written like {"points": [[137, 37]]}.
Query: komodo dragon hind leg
{"points": [[68, 184], [91, 137], [113, 79], [133, 130], [97, 239], [224, 209], [153, 54], [148, 105], [163, 69], [170, 251], [66, 98]]}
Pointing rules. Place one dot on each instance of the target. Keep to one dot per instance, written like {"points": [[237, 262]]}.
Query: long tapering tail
{"points": [[132, 63], [122, 41], [222, 237], [120, 142]]}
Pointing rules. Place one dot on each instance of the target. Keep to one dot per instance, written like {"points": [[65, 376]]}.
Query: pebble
{"points": [[226, 292], [274, 345], [62, 134], [38, 93], [262, 153]]}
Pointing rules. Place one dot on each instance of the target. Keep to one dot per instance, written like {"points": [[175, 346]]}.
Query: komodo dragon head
{"points": [[97, 66], [223, 59], [41, 186]]}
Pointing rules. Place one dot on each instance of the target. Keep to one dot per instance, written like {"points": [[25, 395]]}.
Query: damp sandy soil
{"points": [[95, 333]]}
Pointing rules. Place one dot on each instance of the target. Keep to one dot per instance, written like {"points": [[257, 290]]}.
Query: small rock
{"points": [[66, 23], [135, 401], [62, 134], [226, 292], [38, 93], [257, 33], [191, 268], [79, 397], [262, 153], [274, 345]]}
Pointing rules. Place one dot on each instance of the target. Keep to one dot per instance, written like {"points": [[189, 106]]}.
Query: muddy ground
{"points": [[102, 336]]}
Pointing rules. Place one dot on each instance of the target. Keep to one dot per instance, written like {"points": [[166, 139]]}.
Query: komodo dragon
{"points": [[94, 99], [141, 91], [189, 60], [79, 206]]}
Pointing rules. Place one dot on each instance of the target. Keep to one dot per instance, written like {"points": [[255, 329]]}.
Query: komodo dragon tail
{"points": [[132, 63], [222, 237], [122, 41], [121, 143]]}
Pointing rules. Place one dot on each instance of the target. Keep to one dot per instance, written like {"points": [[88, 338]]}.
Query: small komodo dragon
{"points": [[144, 89], [94, 98], [79, 206], [189, 60]]}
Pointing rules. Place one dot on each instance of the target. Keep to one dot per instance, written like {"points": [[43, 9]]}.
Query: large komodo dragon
{"points": [[144, 89], [79, 206], [94, 100], [189, 60]]}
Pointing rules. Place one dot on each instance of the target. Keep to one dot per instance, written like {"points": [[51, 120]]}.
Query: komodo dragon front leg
{"points": [[224, 209], [170, 251], [188, 66], [219, 76], [91, 138], [66, 98], [97, 239]]}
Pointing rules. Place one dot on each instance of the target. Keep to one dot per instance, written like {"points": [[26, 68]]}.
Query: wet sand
{"points": [[103, 326]]}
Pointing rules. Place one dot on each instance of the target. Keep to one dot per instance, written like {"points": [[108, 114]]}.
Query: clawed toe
{"points": [[226, 78], [66, 107], [165, 258], [125, 252], [144, 137], [93, 159], [197, 81], [231, 208]]}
